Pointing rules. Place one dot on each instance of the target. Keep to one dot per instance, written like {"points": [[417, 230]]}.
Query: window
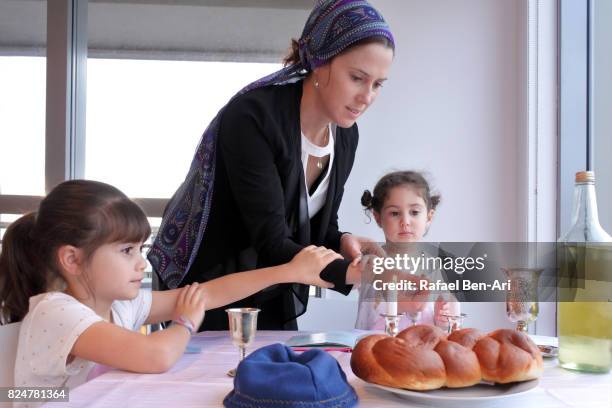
{"points": [[145, 117], [22, 125], [22, 97]]}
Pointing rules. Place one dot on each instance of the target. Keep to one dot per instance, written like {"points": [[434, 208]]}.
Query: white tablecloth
{"points": [[199, 380]]}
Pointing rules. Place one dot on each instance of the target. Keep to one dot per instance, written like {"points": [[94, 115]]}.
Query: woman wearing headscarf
{"points": [[268, 175]]}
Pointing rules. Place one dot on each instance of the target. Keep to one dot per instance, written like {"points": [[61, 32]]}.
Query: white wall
{"points": [[450, 108], [455, 107]]}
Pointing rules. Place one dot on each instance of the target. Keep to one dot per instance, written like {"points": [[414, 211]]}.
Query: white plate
{"points": [[468, 396]]}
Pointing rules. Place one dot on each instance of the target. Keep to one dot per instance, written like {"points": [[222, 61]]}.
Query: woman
{"points": [[268, 176]]}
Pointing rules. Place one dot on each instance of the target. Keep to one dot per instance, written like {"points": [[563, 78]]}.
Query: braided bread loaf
{"points": [[422, 357]]}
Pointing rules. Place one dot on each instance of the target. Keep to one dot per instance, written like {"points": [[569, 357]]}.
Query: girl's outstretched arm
{"points": [[114, 346], [303, 268]]}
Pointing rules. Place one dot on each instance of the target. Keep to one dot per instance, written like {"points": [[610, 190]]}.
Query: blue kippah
{"points": [[274, 377]]}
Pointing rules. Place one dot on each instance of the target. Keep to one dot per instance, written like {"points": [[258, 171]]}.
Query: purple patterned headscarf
{"points": [[333, 25]]}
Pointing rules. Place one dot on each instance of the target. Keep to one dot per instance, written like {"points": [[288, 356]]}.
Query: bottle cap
{"points": [[585, 177]]}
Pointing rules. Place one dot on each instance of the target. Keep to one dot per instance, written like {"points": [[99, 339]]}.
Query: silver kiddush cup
{"points": [[242, 329]]}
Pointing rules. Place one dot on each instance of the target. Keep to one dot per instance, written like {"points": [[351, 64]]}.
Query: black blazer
{"points": [[259, 216]]}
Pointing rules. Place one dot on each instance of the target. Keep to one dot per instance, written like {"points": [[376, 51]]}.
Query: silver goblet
{"points": [[522, 299], [242, 328]]}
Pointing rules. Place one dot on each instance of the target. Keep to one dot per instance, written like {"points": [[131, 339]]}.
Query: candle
{"points": [[392, 298]]}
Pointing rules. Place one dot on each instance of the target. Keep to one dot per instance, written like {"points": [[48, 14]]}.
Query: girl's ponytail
{"points": [[21, 275]]}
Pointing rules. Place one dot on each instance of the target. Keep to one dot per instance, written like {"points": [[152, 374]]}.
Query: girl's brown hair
{"points": [[84, 214], [375, 201], [293, 56]]}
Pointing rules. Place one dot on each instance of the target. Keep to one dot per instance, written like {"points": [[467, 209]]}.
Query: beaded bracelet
{"points": [[185, 322]]}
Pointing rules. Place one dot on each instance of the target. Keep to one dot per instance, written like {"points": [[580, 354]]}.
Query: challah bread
{"points": [[418, 368], [508, 356], [466, 337], [422, 335], [423, 358], [461, 364]]}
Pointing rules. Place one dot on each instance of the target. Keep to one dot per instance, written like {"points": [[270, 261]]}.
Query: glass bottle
{"points": [[585, 285]]}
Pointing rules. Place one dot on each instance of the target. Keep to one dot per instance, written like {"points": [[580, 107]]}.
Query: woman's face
{"points": [[404, 216], [350, 83]]}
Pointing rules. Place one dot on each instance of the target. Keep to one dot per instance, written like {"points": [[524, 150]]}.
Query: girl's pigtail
{"points": [[434, 201], [366, 199]]}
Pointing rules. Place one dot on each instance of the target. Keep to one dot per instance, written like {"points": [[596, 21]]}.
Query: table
{"points": [[199, 380]]}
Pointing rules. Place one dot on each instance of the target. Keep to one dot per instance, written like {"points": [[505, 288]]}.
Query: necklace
{"points": [[320, 159]]}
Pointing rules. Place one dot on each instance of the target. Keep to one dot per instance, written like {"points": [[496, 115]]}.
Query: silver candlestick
{"points": [[392, 323]]}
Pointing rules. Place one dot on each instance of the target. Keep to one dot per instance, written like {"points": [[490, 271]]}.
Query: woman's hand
{"points": [[354, 272], [190, 303], [307, 264], [353, 247]]}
